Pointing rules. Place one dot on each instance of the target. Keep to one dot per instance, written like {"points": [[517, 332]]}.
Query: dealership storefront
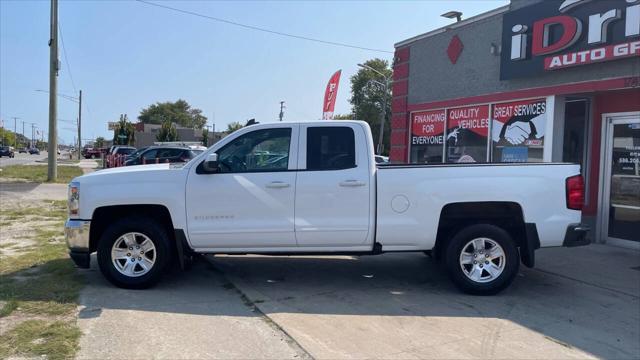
{"points": [[533, 81]]}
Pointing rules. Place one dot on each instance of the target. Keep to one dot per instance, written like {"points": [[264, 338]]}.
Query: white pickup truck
{"points": [[314, 188]]}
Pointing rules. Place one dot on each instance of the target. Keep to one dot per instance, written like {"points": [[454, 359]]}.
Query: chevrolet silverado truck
{"points": [[315, 188]]}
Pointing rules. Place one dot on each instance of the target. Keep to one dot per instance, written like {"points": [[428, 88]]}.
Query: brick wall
{"points": [[399, 114]]}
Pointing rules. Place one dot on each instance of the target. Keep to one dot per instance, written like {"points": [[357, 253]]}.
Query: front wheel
{"points": [[482, 259], [133, 253]]}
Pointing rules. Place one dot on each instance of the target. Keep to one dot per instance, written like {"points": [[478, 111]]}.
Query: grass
{"points": [[56, 209], [38, 173], [55, 340], [41, 285]]}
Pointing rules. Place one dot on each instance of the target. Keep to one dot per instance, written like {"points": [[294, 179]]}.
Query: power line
{"points": [[66, 59], [251, 27]]}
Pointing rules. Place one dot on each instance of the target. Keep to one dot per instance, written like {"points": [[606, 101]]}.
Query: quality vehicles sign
{"points": [[555, 34], [467, 131]]}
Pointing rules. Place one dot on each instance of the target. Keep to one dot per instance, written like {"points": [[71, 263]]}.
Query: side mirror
{"points": [[210, 164]]}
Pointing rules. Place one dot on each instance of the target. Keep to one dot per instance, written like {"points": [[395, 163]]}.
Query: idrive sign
{"points": [[555, 34]]}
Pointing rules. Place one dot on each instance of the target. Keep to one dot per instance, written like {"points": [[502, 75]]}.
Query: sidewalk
{"points": [[189, 315], [577, 303]]}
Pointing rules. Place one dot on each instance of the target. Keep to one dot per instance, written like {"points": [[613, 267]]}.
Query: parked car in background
{"points": [[163, 154], [91, 153], [34, 151], [7, 151], [137, 152], [118, 155], [197, 147], [23, 150]]}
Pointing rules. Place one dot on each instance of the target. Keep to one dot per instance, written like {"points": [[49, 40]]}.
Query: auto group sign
{"points": [[556, 34]]}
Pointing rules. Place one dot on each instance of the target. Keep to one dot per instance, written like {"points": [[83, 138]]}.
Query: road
{"points": [[21, 159]]}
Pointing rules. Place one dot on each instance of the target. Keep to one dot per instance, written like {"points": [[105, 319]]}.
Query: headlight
{"points": [[74, 198]]}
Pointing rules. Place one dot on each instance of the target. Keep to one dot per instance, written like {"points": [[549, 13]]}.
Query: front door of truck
{"points": [[249, 202], [333, 187]]}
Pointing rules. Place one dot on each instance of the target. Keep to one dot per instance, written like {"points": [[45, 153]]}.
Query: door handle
{"points": [[277, 185], [352, 183]]}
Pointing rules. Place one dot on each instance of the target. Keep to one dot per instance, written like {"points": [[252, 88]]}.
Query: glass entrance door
{"points": [[621, 217]]}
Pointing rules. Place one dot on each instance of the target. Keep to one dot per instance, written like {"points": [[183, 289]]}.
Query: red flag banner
{"points": [[330, 94]]}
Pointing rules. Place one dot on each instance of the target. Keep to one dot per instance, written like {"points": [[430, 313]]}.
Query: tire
{"points": [[480, 271], [148, 267]]}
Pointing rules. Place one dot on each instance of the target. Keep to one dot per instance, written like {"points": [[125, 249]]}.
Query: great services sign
{"points": [[555, 34]]}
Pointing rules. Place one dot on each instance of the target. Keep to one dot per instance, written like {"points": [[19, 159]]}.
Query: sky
{"points": [[126, 55]]}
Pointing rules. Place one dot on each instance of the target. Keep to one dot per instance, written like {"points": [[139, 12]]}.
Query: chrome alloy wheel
{"points": [[482, 260], [133, 254]]}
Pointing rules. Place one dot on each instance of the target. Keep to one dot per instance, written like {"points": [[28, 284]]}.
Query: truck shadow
{"points": [[409, 287]]}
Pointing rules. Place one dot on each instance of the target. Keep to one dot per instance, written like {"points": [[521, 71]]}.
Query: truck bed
{"points": [[411, 198]]}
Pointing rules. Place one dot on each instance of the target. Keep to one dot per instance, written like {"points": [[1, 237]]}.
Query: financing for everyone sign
{"points": [[427, 135], [555, 34]]}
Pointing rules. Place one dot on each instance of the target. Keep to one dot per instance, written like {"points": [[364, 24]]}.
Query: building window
{"points": [[517, 131], [467, 132], [427, 136], [576, 115]]}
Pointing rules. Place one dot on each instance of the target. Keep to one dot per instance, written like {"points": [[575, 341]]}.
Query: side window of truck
{"points": [[258, 151], [330, 148]]}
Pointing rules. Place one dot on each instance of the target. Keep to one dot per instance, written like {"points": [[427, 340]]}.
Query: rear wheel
{"points": [[133, 253], [482, 259]]}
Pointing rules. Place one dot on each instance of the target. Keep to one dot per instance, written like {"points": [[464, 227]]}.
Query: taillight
{"points": [[575, 192]]}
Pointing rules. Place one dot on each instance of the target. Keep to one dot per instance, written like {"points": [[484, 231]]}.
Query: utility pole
{"points": [[23, 130], [281, 110], [79, 123], [15, 132], [52, 171], [33, 132]]}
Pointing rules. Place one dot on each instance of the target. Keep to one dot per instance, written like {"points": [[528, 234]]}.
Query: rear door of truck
{"points": [[333, 205]]}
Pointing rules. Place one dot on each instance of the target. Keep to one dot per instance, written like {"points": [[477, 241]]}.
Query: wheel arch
{"points": [[504, 214], [103, 216]]}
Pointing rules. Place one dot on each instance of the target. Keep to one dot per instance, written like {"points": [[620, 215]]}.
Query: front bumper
{"points": [[576, 235], [77, 236]]}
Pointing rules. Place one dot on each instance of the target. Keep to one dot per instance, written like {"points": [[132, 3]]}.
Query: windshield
{"points": [[138, 152], [126, 151]]}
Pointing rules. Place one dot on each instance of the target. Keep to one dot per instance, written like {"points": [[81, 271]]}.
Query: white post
{"points": [[547, 154], [557, 142]]}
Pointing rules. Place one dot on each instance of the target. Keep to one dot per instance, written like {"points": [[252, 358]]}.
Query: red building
{"points": [[551, 81]]}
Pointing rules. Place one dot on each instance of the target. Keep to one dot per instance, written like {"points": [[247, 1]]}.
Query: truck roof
{"points": [[307, 122]]}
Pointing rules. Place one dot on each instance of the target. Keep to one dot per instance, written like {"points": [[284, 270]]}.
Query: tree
{"points": [[124, 132], [367, 98], [205, 137], [233, 126], [344, 117], [99, 142], [167, 132], [179, 112], [7, 137]]}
